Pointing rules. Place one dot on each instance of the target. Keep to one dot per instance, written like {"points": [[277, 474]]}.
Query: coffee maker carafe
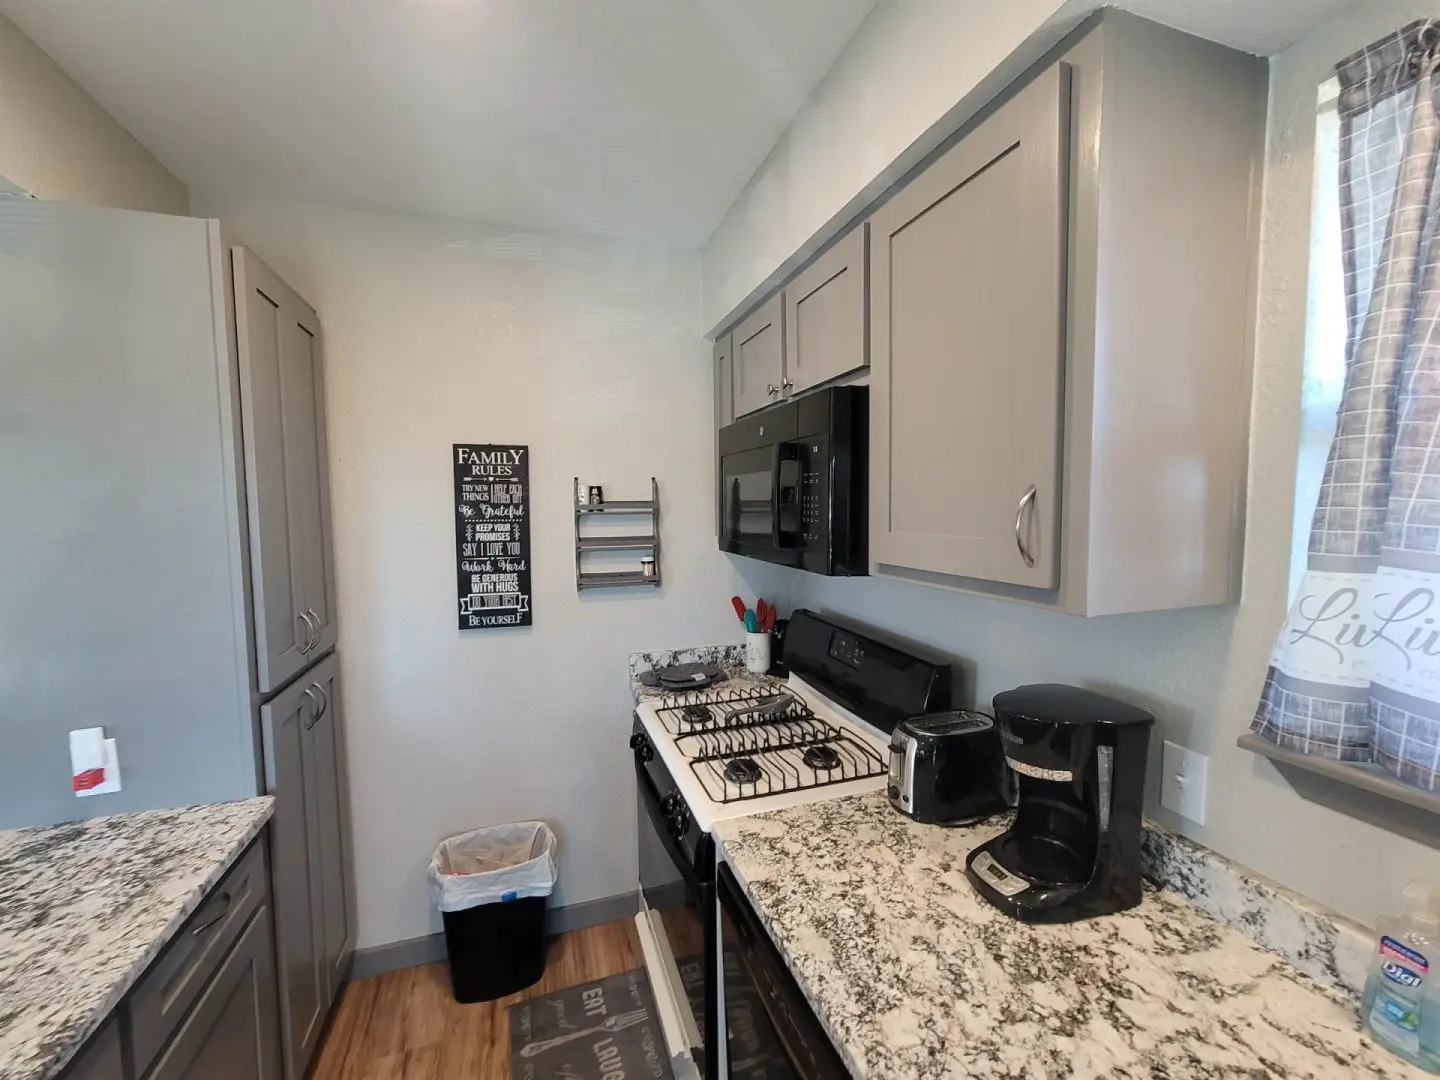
{"points": [[1074, 848]]}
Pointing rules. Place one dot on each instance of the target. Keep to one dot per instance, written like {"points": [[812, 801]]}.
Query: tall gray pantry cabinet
{"points": [[166, 566]]}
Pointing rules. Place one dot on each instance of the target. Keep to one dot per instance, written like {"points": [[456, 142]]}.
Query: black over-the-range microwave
{"points": [[793, 483]]}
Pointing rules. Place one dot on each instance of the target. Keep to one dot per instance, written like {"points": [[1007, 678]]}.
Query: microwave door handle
{"points": [[776, 461]]}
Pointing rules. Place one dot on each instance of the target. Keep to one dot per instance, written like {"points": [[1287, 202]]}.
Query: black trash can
{"points": [[496, 949], [493, 887]]}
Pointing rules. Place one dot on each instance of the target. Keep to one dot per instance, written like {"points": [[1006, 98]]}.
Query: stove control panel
{"points": [[846, 648]]}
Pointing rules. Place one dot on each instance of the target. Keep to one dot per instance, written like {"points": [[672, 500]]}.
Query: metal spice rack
{"points": [[642, 543]]}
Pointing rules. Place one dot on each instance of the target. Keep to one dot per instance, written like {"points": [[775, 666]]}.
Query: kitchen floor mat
{"points": [[604, 1028]]}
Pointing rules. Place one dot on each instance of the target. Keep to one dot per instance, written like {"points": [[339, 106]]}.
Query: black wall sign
{"points": [[492, 534]]}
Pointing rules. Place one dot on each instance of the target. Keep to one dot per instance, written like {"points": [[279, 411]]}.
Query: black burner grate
{"points": [[727, 708], [784, 753]]}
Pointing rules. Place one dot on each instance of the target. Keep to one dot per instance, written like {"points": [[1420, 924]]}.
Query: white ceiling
{"points": [[637, 118], [640, 118], [1262, 27]]}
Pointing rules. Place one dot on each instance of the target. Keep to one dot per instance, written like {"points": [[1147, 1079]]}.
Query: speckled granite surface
{"points": [[85, 907], [1314, 939], [729, 658], [914, 976]]}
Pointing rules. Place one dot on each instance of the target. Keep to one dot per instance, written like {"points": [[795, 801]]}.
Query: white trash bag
{"points": [[487, 866]]}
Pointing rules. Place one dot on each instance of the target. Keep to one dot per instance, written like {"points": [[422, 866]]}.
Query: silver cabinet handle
{"points": [[787, 385], [1028, 499], [304, 617], [319, 627], [771, 389], [314, 717]]}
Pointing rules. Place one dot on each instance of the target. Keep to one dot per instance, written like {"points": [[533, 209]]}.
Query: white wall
{"points": [[588, 351], [912, 72], [1201, 671], [57, 143]]}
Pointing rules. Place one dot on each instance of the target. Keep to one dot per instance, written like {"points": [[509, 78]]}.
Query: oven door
{"points": [[761, 503], [676, 924], [771, 1030]]}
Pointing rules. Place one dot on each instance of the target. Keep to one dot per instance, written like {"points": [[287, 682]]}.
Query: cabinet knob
{"points": [[787, 385], [771, 389]]}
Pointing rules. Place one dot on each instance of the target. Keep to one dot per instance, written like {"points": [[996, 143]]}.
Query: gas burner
{"points": [[742, 770], [821, 758], [696, 714]]}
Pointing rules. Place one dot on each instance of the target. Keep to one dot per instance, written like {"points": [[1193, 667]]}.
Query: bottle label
{"points": [[1395, 1022], [1401, 964]]}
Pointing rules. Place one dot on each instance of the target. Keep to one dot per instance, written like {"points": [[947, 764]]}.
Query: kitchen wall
{"points": [[591, 353], [57, 143], [912, 72], [1201, 671]]}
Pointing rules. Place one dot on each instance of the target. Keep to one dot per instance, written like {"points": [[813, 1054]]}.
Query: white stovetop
{"points": [[706, 811]]}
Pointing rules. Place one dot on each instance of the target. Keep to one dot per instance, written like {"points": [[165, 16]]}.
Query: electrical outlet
{"points": [[94, 764], [1182, 783]]}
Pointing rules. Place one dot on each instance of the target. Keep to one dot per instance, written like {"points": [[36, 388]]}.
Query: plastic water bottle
{"points": [[1401, 1007]]}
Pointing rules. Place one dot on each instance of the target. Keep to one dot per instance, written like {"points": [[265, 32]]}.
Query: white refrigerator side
{"points": [[121, 576]]}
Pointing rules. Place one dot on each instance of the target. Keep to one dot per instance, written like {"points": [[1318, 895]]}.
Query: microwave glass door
{"points": [[747, 482]]}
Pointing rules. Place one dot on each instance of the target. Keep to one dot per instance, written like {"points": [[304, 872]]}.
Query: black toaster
{"points": [[948, 768]]}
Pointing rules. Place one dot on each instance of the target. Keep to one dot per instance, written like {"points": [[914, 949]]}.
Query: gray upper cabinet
{"points": [[724, 383], [825, 316], [1060, 333], [966, 306], [282, 399], [758, 356], [310, 853], [230, 1034], [724, 404]]}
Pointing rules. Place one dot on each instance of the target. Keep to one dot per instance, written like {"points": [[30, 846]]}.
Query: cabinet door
{"points": [[758, 358], [287, 486], [326, 771], [724, 383], [295, 863], [825, 316], [230, 1034], [724, 406], [966, 313], [101, 1059]]}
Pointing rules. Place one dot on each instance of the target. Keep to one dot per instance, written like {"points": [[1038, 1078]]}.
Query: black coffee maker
{"points": [[1074, 849]]}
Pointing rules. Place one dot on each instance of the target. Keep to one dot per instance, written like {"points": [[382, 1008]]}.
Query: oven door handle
{"points": [[650, 798]]}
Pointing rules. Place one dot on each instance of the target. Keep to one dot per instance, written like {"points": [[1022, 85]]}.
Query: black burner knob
{"points": [[641, 745], [679, 822], [668, 804]]}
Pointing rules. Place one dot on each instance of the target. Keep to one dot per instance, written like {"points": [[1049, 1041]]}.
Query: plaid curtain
{"points": [[1355, 675]]}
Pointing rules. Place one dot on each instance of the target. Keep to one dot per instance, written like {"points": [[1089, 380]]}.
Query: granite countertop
{"points": [[86, 906], [728, 658], [914, 976]]}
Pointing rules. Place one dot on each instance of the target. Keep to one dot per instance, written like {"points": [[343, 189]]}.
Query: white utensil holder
{"points": [[757, 653]]}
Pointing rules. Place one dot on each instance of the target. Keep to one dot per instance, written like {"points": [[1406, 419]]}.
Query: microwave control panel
{"points": [[812, 493]]}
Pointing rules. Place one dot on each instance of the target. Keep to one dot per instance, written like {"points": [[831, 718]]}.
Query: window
{"points": [[1324, 377]]}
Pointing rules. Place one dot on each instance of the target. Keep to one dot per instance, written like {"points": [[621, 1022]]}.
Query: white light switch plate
{"points": [[1182, 783]]}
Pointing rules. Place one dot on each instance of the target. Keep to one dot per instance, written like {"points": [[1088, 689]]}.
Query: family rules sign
{"points": [[492, 534]]}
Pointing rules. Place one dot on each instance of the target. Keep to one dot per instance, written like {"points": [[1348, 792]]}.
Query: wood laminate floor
{"points": [[405, 1025]]}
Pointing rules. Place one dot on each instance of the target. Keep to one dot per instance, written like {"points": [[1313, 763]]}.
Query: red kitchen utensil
{"points": [[739, 606], [769, 617], [762, 611]]}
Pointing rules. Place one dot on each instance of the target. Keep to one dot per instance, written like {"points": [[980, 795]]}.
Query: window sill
{"points": [[1370, 778]]}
